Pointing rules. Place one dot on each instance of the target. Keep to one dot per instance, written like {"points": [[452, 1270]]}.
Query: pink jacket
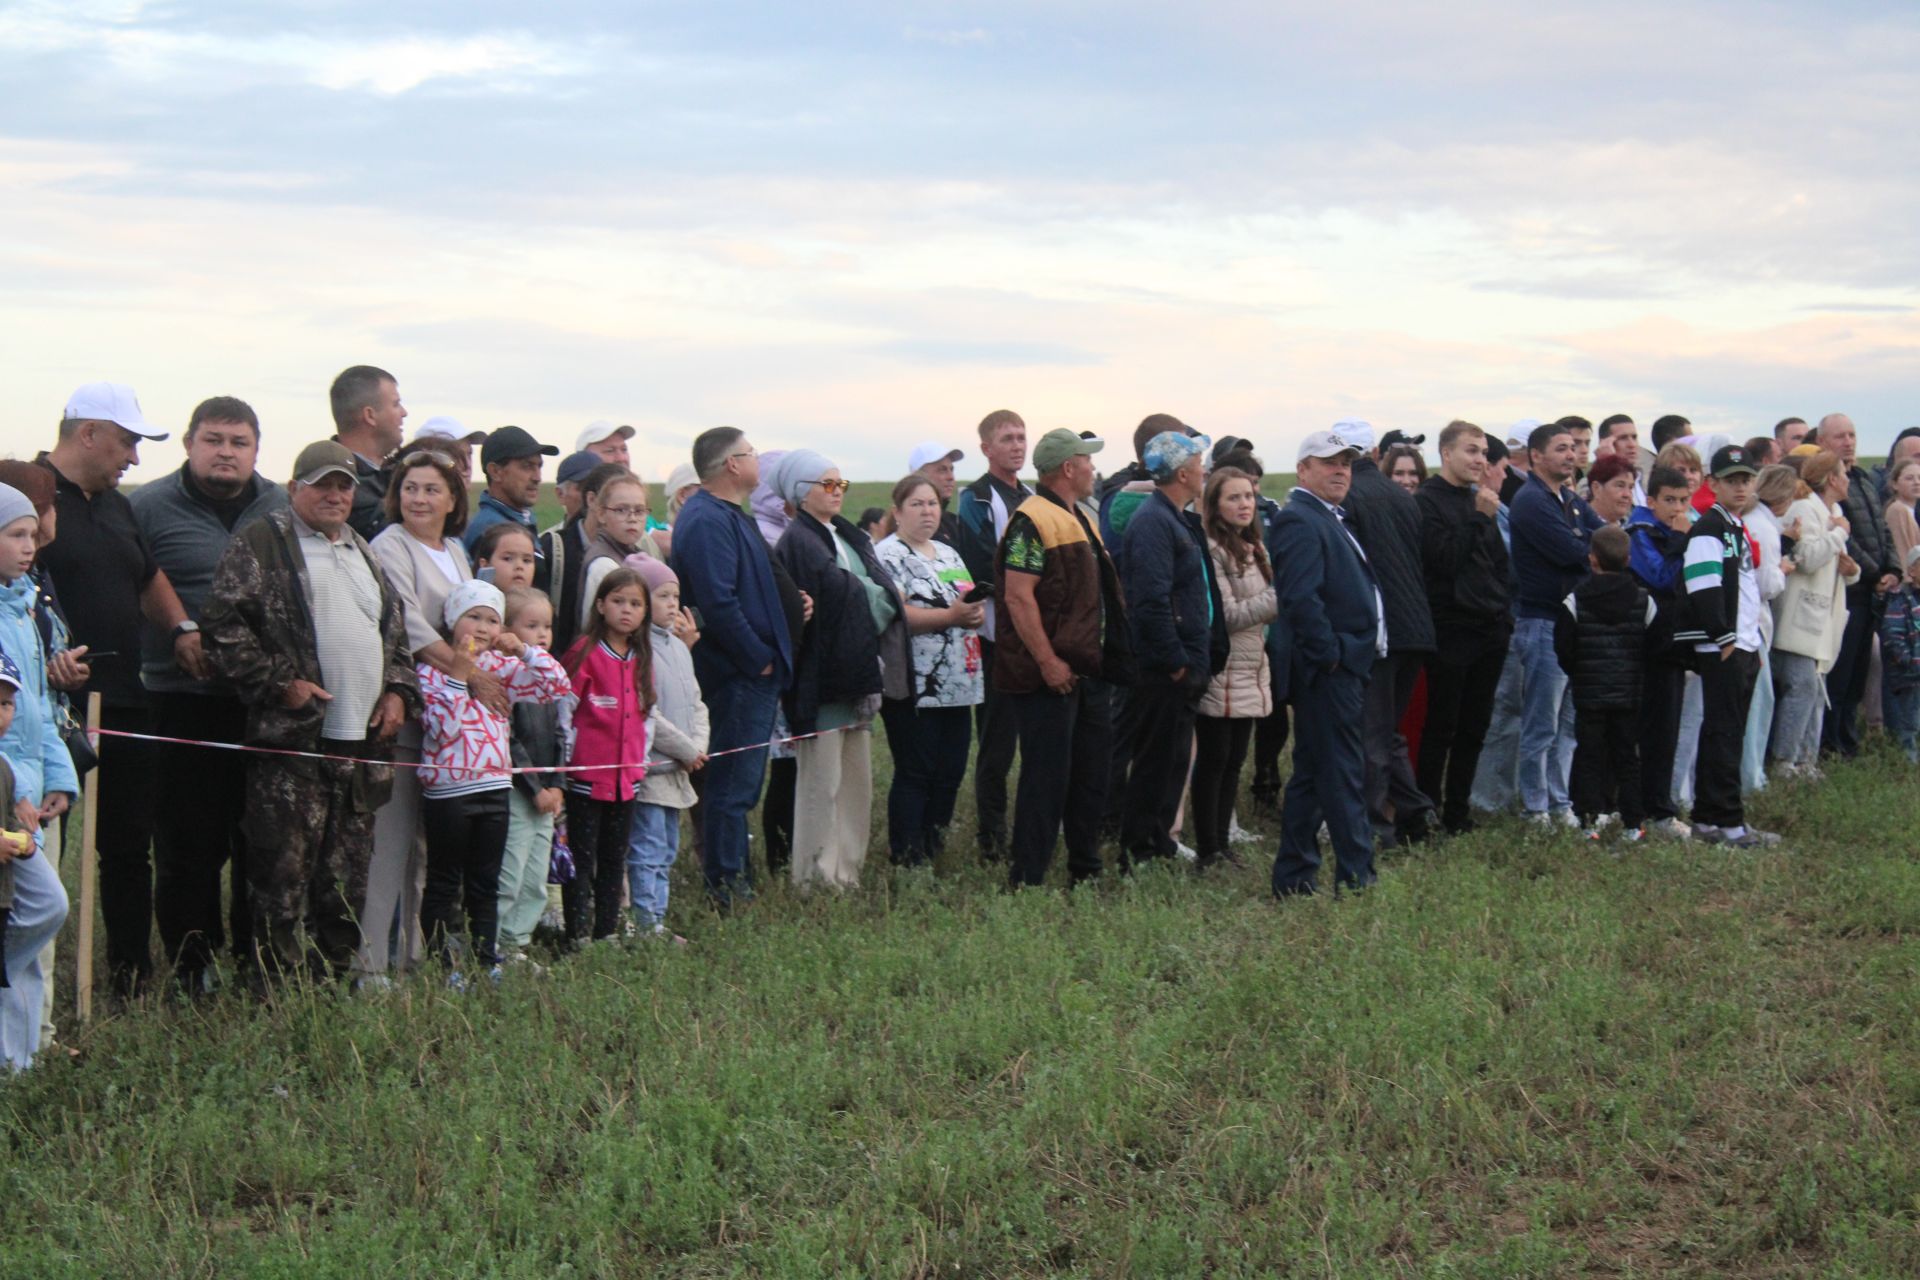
{"points": [[608, 727], [468, 748]]}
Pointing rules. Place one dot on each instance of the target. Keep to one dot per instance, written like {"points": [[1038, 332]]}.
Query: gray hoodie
{"points": [[679, 724]]}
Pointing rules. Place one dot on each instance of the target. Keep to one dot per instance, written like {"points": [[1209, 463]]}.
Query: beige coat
{"points": [[1810, 616], [1244, 690]]}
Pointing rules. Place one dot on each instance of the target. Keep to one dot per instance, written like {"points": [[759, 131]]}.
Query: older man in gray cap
{"points": [[301, 622]]}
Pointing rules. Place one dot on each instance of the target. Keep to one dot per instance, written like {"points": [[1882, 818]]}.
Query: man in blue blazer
{"points": [[1331, 611]]}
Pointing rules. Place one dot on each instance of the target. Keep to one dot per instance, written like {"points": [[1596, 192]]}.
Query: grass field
{"points": [[1517, 1057]]}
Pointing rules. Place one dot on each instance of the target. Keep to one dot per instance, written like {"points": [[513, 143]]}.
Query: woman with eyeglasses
{"points": [[852, 651], [420, 552], [615, 527]]}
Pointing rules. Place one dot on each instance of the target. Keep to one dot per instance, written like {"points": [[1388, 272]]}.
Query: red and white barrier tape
{"points": [[652, 766]]}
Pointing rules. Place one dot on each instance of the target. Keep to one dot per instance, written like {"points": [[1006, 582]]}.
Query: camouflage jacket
{"points": [[258, 625]]}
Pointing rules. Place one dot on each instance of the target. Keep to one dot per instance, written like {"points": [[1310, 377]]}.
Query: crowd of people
{"points": [[463, 735]]}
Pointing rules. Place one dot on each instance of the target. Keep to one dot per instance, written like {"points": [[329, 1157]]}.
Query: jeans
{"points": [[740, 714], [1328, 784], [1797, 712], [1496, 782], [1753, 751], [466, 838], [1163, 714], [1546, 719], [196, 831], [1460, 702], [1686, 743], [523, 870], [652, 845], [1901, 708], [1222, 751], [39, 909], [597, 834], [1064, 746], [929, 747]]}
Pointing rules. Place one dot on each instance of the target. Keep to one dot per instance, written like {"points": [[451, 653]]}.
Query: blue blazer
{"points": [[1328, 606], [726, 572]]}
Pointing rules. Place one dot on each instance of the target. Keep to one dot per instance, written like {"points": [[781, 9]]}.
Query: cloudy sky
{"points": [[867, 224]]}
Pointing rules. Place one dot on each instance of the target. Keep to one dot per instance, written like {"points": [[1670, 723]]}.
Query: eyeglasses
{"points": [[625, 513], [835, 486]]}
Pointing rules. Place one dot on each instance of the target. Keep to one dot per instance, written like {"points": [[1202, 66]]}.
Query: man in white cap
{"points": [[302, 624], [109, 582], [606, 441], [935, 462], [367, 415], [1333, 614], [453, 438]]}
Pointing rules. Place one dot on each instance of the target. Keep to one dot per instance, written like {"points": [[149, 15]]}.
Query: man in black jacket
{"points": [[1470, 591], [1871, 547], [1179, 639], [1386, 520]]}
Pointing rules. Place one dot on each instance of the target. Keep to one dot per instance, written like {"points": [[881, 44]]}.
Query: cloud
{"points": [[952, 37]]}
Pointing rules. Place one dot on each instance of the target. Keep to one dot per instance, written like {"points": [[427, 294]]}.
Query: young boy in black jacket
{"points": [[1600, 637], [1721, 620]]}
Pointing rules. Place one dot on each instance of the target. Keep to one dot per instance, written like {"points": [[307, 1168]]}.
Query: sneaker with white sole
{"points": [[1566, 818], [1633, 835], [1184, 853], [1670, 828], [1237, 834]]}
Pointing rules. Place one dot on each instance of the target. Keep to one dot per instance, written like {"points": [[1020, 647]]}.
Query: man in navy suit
{"points": [[1331, 610]]}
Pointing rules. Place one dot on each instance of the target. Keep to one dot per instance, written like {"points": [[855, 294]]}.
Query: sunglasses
{"points": [[835, 486]]}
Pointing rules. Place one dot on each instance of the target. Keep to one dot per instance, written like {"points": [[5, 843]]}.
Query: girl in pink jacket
{"points": [[611, 665], [464, 769]]}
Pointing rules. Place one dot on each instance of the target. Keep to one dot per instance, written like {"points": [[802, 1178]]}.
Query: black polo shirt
{"points": [[100, 564]]}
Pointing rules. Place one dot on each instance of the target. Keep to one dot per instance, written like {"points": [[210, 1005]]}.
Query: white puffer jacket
{"points": [[1244, 689], [1810, 616]]}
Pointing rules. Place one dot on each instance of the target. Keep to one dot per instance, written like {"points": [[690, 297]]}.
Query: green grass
{"points": [[1517, 1057]]}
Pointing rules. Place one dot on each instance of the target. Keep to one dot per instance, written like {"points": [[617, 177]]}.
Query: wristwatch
{"points": [[186, 628]]}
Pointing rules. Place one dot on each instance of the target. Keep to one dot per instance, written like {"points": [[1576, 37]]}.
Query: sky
{"points": [[865, 225]]}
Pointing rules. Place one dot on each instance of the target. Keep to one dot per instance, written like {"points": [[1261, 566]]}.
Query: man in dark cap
{"points": [[511, 460]]}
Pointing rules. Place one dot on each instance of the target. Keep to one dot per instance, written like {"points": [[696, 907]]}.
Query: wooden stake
{"points": [[89, 871]]}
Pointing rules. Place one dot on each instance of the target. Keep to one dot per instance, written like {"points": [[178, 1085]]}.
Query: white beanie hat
{"points": [[472, 594]]}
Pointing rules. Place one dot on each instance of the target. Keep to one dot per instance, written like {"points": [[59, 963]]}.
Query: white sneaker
{"points": [[1185, 854], [1671, 828], [1566, 819], [1605, 820], [1237, 834], [1539, 819], [1633, 835]]}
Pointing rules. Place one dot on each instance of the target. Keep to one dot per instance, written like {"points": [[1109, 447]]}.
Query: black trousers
{"points": [[776, 811], [1163, 715], [1269, 740], [1460, 693], [597, 833], [466, 839], [1119, 760], [128, 773], [1847, 682], [196, 831], [1064, 744], [1390, 777], [1726, 688], [1606, 765], [1661, 695], [999, 732], [929, 747], [1220, 749]]}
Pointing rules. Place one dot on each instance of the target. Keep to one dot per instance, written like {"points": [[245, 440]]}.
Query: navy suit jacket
{"points": [[1328, 601]]}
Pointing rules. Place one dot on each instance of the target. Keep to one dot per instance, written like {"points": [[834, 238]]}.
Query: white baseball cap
{"points": [[1518, 433], [447, 429], [927, 451], [1328, 444], [1357, 432], [111, 402], [600, 429]]}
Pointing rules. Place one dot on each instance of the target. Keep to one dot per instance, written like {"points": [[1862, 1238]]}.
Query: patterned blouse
{"points": [[946, 664]]}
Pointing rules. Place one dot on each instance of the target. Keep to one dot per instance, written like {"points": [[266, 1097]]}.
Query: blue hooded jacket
{"points": [[32, 744]]}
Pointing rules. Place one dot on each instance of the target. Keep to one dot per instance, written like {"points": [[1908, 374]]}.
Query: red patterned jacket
{"points": [[468, 748]]}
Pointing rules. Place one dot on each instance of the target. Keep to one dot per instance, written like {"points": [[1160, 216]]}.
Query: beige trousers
{"points": [[832, 807], [397, 874]]}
